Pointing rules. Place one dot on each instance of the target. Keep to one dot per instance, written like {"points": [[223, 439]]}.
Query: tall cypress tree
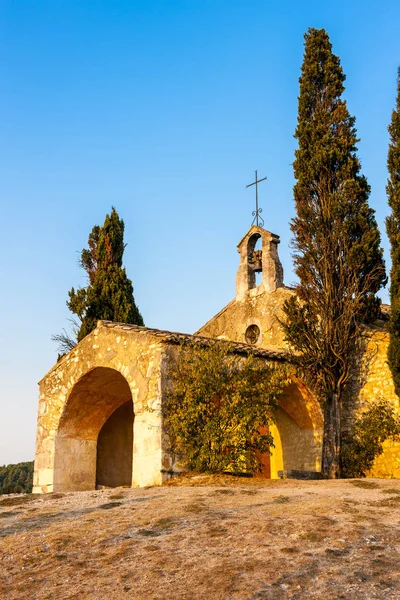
{"points": [[393, 231], [338, 258], [109, 293]]}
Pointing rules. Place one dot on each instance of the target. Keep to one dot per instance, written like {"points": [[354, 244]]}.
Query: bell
{"points": [[257, 266], [255, 260]]}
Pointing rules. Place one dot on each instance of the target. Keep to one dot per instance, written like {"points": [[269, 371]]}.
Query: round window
{"points": [[252, 334]]}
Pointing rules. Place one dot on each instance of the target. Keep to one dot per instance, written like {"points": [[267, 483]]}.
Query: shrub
{"points": [[365, 442], [219, 408]]}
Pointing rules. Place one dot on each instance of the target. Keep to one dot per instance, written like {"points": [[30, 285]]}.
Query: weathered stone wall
{"points": [[81, 392], [258, 307], [370, 381]]}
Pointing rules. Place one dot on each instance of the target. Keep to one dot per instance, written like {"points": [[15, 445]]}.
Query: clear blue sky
{"points": [[163, 109]]}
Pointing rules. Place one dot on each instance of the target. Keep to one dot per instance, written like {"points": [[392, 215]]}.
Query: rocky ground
{"points": [[205, 538]]}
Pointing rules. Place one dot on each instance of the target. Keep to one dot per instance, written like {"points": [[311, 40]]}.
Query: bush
{"points": [[219, 408], [365, 442]]}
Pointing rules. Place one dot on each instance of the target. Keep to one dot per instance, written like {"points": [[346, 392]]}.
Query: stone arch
{"points": [[94, 440], [113, 364], [297, 431]]}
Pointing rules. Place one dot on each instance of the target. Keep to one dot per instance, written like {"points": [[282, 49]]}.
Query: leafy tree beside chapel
{"points": [[338, 256], [109, 293], [219, 407], [393, 231]]}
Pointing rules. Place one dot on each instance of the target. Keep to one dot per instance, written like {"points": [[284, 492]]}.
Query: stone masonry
{"points": [[85, 404]]}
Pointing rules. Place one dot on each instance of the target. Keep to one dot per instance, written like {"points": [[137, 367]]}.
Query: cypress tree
{"points": [[109, 293], [393, 231], [338, 258]]}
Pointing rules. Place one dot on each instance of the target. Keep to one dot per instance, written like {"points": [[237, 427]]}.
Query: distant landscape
{"points": [[16, 479]]}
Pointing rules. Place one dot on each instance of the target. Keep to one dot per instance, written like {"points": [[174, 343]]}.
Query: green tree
{"points": [[219, 407], [338, 257], [393, 231], [109, 293], [17, 478]]}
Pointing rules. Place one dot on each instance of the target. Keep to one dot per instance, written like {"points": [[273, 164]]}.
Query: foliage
{"points": [[338, 258], [364, 444], [66, 341], [109, 293], [219, 407], [16, 479], [393, 231]]}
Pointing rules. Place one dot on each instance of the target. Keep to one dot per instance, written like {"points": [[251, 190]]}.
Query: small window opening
{"points": [[252, 334]]}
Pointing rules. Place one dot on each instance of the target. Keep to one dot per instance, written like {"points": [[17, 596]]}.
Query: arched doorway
{"points": [[297, 431], [94, 443]]}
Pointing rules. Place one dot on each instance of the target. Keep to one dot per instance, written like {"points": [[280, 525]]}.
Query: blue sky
{"points": [[163, 109]]}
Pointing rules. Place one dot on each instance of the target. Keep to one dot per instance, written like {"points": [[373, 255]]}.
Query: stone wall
{"points": [[260, 308], [371, 380], [110, 366]]}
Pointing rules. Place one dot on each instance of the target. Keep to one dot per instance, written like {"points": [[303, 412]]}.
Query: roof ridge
{"points": [[174, 337]]}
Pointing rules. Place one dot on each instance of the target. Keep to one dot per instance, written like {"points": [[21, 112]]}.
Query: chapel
{"points": [[99, 415]]}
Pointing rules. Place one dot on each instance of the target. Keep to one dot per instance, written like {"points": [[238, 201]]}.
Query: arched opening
{"points": [[94, 443], [297, 431], [114, 448], [254, 253]]}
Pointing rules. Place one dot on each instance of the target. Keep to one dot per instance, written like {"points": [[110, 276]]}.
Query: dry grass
{"points": [[17, 500], [205, 537], [362, 483], [391, 490]]}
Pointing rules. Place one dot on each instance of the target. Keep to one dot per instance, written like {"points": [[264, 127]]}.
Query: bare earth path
{"points": [[213, 538]]}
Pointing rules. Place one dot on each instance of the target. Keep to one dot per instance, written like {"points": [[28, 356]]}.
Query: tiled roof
{"points": [[172, 337]]}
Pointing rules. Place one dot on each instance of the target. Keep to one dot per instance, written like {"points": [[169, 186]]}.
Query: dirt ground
{"points": [[205, 538]]}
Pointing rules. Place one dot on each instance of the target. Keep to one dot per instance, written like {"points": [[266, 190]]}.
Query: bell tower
{"points": [[252, 261]]}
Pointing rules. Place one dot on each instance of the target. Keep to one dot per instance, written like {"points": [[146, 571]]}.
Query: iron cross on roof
{"points": [[256, 213]]}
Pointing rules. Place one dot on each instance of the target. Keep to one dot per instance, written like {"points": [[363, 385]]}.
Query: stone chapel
{"points": [[99, 418]]}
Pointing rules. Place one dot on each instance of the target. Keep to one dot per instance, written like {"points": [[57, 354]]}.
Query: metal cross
{"points": [[256, 213]]}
